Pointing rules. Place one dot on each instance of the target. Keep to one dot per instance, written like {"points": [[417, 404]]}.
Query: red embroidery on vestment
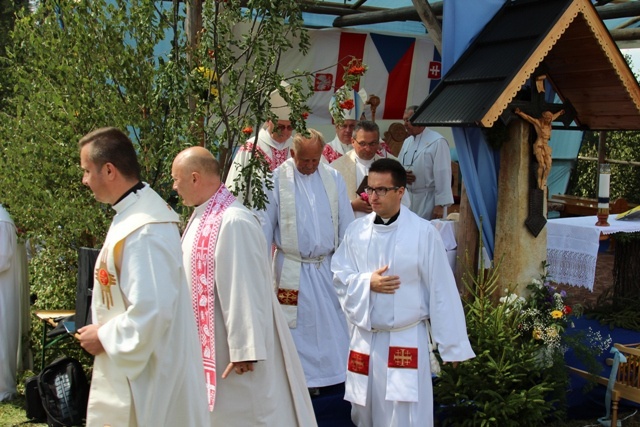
{"points": [[358, 363], [403, 357], [288, 296]]}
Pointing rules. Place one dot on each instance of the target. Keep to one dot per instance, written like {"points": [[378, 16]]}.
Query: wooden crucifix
{"points": [[541, 114]]}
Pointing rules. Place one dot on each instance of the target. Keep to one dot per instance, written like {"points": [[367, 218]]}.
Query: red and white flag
{"points": [[402, 70]]}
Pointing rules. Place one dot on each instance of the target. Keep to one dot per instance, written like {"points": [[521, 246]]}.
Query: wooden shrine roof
{"points": [[564, 39]]}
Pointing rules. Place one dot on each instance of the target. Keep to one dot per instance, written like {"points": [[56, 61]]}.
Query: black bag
{"points": [[35, 411], [64, 391]]}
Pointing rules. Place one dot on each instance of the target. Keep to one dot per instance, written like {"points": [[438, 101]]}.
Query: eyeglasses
{"points": [[346, 126], [280, 128], [363, 144], [380, 191]]}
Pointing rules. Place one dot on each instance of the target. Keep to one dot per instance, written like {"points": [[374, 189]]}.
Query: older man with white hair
{"points": [[307, 214]]}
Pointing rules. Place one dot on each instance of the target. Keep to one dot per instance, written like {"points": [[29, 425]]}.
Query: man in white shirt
{"points": [[147, 369], [306, 216], [392, 277], [354, 166], [426, 157], [252, 370]]}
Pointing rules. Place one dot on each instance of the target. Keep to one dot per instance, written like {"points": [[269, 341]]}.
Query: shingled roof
{"points": [[564, 38]]}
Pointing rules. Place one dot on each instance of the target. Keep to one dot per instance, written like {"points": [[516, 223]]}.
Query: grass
{"points": [[13, 414]]}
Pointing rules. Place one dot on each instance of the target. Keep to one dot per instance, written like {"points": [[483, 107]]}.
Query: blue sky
{"points": [[635, 58]]}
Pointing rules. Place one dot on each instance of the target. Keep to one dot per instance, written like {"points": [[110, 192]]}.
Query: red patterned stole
{"points": [[384, 150], [203, 282], [277, 156], [330, 154]]}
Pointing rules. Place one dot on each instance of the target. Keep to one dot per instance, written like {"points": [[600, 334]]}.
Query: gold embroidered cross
{"points": [[402, 358]]}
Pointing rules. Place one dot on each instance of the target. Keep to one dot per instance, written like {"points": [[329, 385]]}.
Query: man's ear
{"points": [[111, 171]]}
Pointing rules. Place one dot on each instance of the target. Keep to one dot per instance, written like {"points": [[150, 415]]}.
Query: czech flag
{"points": [[402, 70]]}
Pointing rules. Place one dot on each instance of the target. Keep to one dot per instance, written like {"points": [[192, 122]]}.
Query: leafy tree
{"points": [[8, 9], [79, 65], [75, 68], [625, 179], [234, 43], [620, 145]]}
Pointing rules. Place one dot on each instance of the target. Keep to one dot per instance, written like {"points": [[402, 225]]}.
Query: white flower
{"points": [[512, 299], [537, 282]]}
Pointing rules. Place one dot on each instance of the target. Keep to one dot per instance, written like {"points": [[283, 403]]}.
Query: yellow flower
{"points": [[552, 332], [208, 73], [556, 314], [537, 334]]}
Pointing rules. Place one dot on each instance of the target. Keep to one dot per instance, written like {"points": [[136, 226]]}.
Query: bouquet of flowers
{"points": [[546, 318]]}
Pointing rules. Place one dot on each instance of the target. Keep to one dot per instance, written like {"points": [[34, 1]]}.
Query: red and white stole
{"points": [[277, 156], [330, 153], [203, 282]]}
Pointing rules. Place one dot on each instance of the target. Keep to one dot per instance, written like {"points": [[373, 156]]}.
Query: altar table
{"points": [[572, 247]]}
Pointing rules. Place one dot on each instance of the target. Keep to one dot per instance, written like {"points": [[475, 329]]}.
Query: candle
{"points": [[603, 186], [603, 194]]}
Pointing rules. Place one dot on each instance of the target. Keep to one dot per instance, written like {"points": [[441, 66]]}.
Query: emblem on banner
{"points": [[435, 69], [323, 82]]}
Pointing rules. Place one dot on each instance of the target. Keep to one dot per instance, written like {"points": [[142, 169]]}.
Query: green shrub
{"points": [[504, 385], [518, 377]]}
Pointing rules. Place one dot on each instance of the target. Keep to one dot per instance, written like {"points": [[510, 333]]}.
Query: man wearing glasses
{"points": [[392, 277], [426, 157], [354, 166], [274, 143]]}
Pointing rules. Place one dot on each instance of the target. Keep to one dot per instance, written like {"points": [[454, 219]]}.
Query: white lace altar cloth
{"points": [[572, 247]]}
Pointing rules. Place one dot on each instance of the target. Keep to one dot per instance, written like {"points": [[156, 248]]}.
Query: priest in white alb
{"points": [[147, 367], [307, 214], [11, 284], [392, 277], [273, 146], [426, 156], [252, 371]]}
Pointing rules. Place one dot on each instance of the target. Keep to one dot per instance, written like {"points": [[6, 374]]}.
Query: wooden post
{"points": [[193, 27], [430, 21], [467, 237], [521, 253]]}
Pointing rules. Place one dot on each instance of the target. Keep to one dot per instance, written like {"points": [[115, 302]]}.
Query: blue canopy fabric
{"points": [[479, 164]]}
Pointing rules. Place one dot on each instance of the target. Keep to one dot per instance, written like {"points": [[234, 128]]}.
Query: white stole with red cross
{"points": [[402, 357]]}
